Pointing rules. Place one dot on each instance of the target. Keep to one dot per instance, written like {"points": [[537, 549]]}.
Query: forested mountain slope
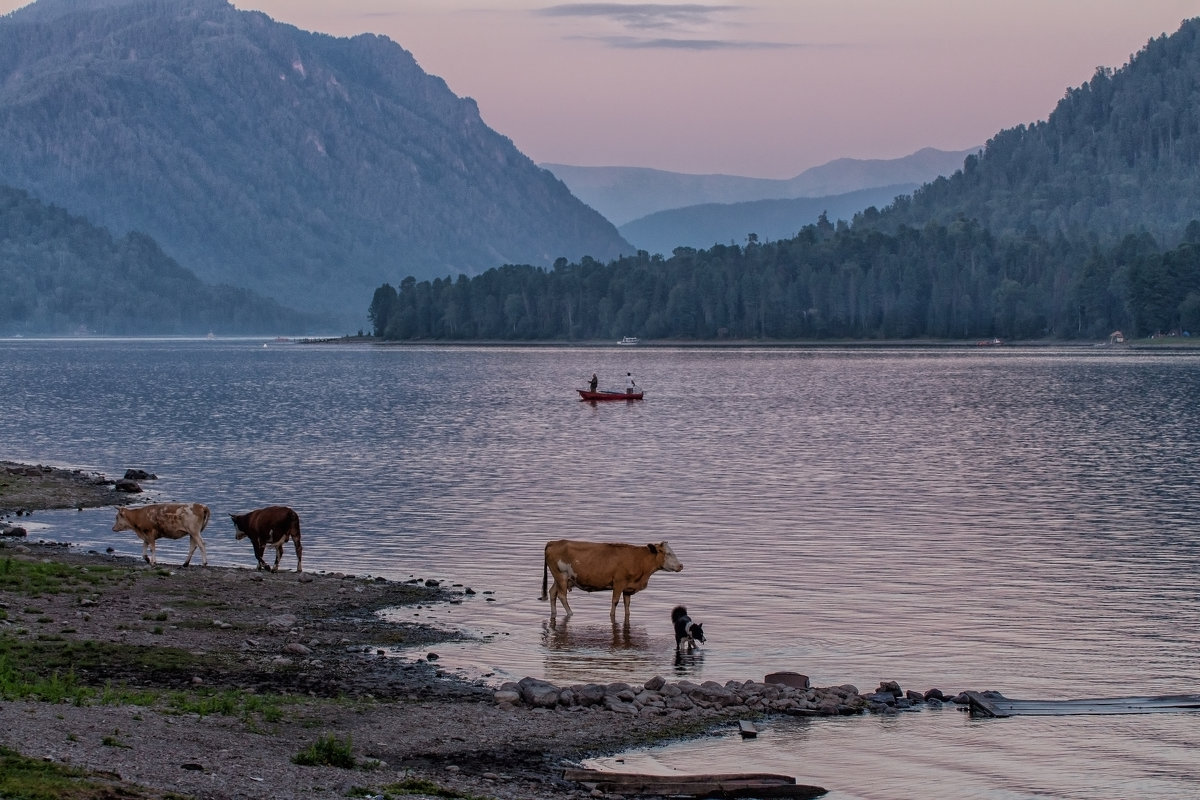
{"points": [[62, 275], [827, 282], [301, 165], [1119, 154]]}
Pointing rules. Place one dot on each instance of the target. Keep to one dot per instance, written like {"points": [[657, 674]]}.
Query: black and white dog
{"points": [[685, 629]]}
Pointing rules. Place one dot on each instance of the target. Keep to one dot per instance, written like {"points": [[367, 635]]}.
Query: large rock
{"points": [[539, 694], [793, 679]]}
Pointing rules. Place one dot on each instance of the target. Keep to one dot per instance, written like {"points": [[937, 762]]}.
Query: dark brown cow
{"points": [[270, 527], [597, 566], [165, 521]]}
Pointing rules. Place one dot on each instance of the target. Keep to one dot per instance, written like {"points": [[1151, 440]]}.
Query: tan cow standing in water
{"points": [[599, 566], [165, 521]]}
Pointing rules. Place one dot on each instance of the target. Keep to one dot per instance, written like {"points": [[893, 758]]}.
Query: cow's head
{"points": [[238, 521], [121, 523], [670, 562]]}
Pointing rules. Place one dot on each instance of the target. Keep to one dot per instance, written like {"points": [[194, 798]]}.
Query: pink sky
{"points": [[762, 87]]}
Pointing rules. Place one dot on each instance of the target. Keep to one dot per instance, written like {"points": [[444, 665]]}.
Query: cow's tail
{"points": [[204, 516]]}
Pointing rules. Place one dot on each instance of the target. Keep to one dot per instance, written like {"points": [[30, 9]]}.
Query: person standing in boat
{"points": [[594, 382], [630, 386]]}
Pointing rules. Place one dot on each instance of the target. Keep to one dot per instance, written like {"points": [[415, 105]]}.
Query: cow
{"points": [[597, 566], [165, 521], [270, 527]]}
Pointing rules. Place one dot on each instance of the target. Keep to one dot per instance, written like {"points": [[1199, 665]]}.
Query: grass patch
{"points": [[18, 682], [230, 703], [411, 786], [113, 740], [328, 751], [48, 671], [34, 578], [48, 654], [26, 778]]}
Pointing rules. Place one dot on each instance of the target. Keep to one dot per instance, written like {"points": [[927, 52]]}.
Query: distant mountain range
{"points": [[1083, 226], [732, 223], [302, 166], [624, 194]]}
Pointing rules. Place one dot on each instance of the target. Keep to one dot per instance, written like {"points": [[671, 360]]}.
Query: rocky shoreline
{"points": [[208, 682], [780, 693]]}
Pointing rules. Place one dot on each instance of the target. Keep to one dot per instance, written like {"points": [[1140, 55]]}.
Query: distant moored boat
{"points": [[629, 340]]}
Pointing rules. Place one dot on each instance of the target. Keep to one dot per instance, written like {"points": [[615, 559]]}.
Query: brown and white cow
{"points": [[598, 566], [270, 527], [165, 521]]}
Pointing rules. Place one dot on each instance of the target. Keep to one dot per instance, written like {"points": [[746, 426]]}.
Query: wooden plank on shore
{"points": [[762, 785], [747, 729], [994, 705], [982, 706], [593, 775]]}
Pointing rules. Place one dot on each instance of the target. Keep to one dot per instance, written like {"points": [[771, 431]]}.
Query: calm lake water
{"points": [[1023, 520]]}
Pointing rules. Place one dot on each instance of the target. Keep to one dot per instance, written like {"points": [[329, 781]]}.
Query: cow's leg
{"points": [[299, 550], [278, 556], [153, 560], [626, 596], [612, 614], [145, 549], [191, 549], [559, 592], [260, 548], [198, 541]]}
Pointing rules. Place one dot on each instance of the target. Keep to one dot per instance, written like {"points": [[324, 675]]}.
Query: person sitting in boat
{"points": [[594, 382], [630, 386]]}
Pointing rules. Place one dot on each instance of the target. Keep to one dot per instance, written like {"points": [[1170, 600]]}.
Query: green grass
{"points": [[33, 670], [36, 578], [411, 786], [328, 751], [23, 778], [113, 740]]}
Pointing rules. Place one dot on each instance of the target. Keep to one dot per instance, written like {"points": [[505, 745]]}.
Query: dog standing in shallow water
{"points": [[685, 629]]}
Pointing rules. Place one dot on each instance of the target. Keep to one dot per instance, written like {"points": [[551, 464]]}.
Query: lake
{"points": [[1016, 519]]}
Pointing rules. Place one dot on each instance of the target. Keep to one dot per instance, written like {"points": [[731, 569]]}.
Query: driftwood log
{"points": [[749, 784]]}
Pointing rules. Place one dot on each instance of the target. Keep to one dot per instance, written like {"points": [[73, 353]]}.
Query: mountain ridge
{"points": [[302, 166], [1117, 155], [624, 194], [706, 224], [62, 275]]}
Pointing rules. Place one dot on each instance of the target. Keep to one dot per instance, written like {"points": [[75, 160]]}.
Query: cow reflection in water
{"points": [[563, 635]]}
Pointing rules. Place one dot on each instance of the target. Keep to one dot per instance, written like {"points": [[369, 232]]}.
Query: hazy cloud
{"points": [[691, 25], [636, 43], [641, 15]]}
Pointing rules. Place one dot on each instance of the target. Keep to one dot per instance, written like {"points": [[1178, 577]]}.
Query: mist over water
{"points": [[1005, 518]]}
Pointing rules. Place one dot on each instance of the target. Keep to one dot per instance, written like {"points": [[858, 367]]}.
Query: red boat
{"points": [[585, 394]]}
